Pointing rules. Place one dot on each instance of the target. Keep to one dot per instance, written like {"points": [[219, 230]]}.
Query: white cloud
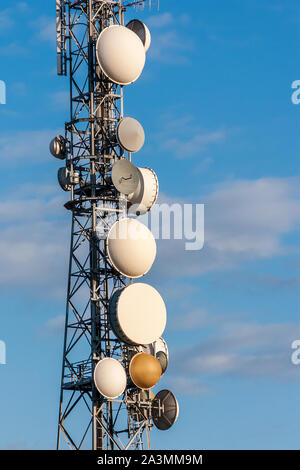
{"points": [[32, 145], [160, 21], [171, 47], [34, 244], [53, 325], [251, 216], [46, 28], [191, 138], [14, 48], [189, 321], [171, 40], [34, 254], [60, 99], [6, 19], [185, 385], [187, 147], [244, 220], [243, 350], [23, 6]]}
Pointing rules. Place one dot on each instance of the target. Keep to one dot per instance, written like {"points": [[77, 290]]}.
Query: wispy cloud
{"points": [[189, 321], [32, 145], [187, 147], [191, 138], [60, 99], [185, 385], [14, 48], [160, 21], [244, 220], [171, 43], [45, 28], [53, 326], [171, 47], [243, 350], [34, 241], [6, 20]]}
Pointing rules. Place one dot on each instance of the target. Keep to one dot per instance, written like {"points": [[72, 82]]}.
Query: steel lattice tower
{"points": [[86, 419]]}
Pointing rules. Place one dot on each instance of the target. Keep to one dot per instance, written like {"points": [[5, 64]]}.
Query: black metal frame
{"points": [[96, 106]]}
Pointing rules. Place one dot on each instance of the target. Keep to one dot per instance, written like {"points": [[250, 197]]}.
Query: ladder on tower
{"points": [[61, 45]]}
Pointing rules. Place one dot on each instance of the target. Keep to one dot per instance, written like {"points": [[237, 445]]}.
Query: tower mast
{"points": [[91, 149], [96, 107]]}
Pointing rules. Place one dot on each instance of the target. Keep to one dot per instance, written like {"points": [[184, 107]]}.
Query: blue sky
{"points": [[215, 102]]}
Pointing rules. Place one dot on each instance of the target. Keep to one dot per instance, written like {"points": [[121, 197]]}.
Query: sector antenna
{"points": [[113, 351]]}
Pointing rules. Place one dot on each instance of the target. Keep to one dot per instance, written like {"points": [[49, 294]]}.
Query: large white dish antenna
{"points": [[120, 54], [137, 314], [170, 410], [130, 134], [58, 147], [131, 247], [139, 28], [145, 196], [110, 378], [125, 176]]}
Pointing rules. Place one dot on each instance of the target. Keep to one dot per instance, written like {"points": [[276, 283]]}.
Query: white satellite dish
{"points": [[159, 349], [161, 353], [125, 176], [120, 54], [65, 180], [110, 378], [145, 196], [139, 28], [58, 147], [131, 248], [137, 314], [165, 419], [130, 134]]}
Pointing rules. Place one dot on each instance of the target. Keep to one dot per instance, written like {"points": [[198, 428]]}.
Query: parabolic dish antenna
{"points": [[137, 314], [120, 54], [125, 176], [65, 180], [130, 134], [161, 352], [58, 147], [163, 360], [144, 370], [139, 28], [63, 176], [170, 410], [145, 196], [110, 378], [131, 248], [158, 349]]}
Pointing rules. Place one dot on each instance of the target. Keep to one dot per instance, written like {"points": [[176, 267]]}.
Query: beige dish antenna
{"points": [[131, 247], [120, 54], [137, 314]]}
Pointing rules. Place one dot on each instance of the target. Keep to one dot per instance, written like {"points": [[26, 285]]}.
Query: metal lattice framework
{"points": [[87, 419]]}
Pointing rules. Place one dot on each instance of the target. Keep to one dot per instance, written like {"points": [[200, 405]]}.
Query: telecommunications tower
{"points": [[113, 350]]}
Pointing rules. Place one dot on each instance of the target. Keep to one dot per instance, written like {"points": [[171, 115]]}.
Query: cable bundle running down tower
{"points": [[113, 350]]}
